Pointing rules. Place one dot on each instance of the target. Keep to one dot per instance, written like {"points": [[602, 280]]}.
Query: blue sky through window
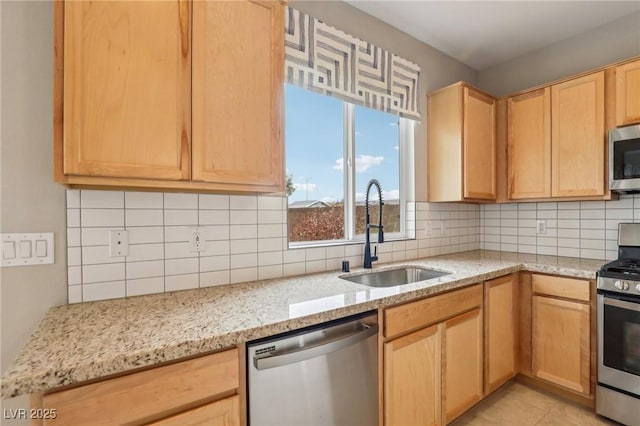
{"points": [[314, 147]]}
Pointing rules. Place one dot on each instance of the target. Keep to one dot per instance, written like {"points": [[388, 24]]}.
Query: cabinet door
{"points": [[127, 89], [561, 342], [463, 346], [500, 332], [529, 145], [238, 84], [479, 148], [412, 379], [225, 412], [578, 137], [628, 93]]}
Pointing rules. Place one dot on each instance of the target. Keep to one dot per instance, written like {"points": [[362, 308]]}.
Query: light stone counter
{"points": [[79, 342]]}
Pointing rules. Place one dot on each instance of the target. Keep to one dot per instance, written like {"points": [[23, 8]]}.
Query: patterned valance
{"points": [[321, 58]]}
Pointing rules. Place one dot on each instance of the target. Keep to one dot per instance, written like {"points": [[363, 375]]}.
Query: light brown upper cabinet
{"points": [[529, 144], [628, 93], [557, 141], [175, 95], [461, 144], [237, 92], [127, 89], [578, 137]]}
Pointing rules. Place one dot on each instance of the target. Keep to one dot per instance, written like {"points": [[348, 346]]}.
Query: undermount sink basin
{"points": [[394, 277]]}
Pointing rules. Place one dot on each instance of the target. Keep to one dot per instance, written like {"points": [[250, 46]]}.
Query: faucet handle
{"points": [[375, 253]]}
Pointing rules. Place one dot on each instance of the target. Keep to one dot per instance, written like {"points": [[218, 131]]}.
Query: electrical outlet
{"points": [[118, 243], [541, 227], [197, 243]]}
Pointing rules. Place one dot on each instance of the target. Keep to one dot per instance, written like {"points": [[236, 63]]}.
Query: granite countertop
{"points": [[80, 342]]}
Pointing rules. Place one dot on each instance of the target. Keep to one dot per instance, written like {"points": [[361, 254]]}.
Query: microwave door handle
{"points": [[622, 304]]}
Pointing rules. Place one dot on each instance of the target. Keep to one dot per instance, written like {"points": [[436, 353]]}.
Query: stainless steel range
{"points": [[618, 389]]}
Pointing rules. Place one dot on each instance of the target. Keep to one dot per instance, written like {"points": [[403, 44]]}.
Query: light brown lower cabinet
{"points": [[412, 378], [153, 394], [433, 358], [462, 386], [225, 412], [500, 331], [561, 342]]}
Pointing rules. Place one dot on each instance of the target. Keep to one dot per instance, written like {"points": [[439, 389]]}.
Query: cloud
{"points": [[329, 199], [394, 194], [305, 186], [363, 163], [393, 124], [397, 148]]}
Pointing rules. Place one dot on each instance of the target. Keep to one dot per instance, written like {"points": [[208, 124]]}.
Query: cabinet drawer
{"points": [[414, 315], [569, 288], [146, 394], [225, 412]]}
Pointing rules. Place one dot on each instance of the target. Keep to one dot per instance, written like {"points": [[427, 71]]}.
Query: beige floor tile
{"points": [[520, 405]]}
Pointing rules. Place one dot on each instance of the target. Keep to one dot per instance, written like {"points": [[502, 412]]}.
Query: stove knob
{"points": [[621, 285], [638, 287]]}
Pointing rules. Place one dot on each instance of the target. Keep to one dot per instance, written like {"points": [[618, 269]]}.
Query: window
{"points": [[333, 149]]}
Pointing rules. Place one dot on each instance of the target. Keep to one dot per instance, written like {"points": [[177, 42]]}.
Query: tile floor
{"points": [[516, 404]]}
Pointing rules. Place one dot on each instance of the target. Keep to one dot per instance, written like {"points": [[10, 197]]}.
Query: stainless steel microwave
{"points": [[624, 159]]}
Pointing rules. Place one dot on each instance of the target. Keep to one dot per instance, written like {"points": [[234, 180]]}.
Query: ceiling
{"points": [[485, 33]]}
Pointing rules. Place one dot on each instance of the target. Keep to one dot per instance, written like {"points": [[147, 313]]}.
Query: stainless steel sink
{"points": [[394, 277]]}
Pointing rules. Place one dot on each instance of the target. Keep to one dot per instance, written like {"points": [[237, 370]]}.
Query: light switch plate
{"points": [[27, 249]]}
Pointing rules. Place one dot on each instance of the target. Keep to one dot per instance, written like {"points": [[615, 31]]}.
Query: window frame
{"points": [[406, 139]]}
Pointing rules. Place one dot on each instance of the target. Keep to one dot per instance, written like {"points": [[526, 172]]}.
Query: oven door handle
{"points": [[622, 304]]}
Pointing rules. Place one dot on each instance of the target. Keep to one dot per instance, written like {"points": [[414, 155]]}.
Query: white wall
{"points": [[601, 46], [30, 201]]}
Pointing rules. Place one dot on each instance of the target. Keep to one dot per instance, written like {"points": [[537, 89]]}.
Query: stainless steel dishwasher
{"points": [[320, 375]]}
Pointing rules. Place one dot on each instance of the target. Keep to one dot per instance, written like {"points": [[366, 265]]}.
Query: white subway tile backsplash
{"points": [[140, 217], [143, 200], [73, 237], [90, 199], [243, 275], [269, 203], [104, 290], [246, 239], [213, 202], [153, 268], [216, 232], [247, 217], [181, 266], [270, 244], [177, 234], [238, 232], [73, 218], [178, 250], [138, 287], [270, 272], [242, 261], [181, 217], [146, 235], [75, 294], [214, 263], [181, 282], [102, 273], [102, 217], [594, 234], [568, 252], [210, 279], [592, 214], [142, 252], [244, 246], [93, 255], [213, 217], [622, 214], [216, 248], [178, 201], [74, 256], [74, 275], [243, 202], [592, 254], [73, 198]]}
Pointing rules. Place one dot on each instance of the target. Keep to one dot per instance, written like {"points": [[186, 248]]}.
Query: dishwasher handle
{"points": [[307, 352]]}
